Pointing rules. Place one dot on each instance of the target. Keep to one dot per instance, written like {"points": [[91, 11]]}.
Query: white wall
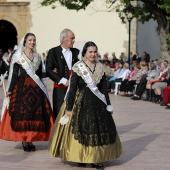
{"points": [[105, 29]]}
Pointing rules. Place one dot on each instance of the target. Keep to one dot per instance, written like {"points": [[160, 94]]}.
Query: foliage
{"points": [[69, 4], [166, 7], [144, 10]]}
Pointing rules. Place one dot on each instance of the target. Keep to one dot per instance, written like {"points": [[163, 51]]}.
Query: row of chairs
{"points": [[117, 85]]}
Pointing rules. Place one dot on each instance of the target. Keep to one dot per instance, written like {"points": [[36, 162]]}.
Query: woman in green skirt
{"points": [[84, 131]]}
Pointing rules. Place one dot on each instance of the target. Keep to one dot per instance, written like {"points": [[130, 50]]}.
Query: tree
{"points": [[159, 10]]}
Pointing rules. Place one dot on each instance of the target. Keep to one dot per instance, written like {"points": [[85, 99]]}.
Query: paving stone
{"points": [[143, 128]]}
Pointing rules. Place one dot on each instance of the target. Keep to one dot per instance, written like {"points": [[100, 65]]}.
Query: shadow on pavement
{"points": [[133, 148], [126, 128]]}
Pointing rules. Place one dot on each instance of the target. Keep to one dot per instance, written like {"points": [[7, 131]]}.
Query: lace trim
{"points": [[96, 76], [34, 65], [88, 126]]}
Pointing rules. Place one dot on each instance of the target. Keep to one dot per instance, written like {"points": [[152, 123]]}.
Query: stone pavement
{"points": [[144, 130]]}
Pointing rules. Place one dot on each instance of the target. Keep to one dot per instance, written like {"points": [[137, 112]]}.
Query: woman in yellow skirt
{"points": [[84, 131]]}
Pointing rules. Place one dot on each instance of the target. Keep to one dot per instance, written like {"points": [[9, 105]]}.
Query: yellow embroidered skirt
{"points": [[62, 144]]}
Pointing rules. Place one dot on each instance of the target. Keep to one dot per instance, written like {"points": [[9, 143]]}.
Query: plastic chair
{"points": [[117, 84]]}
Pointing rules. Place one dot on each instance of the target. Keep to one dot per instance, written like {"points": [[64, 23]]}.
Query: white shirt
{"points": [[124, 74], [68, 57]]}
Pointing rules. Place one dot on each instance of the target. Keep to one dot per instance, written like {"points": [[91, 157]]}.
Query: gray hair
{"points": [[63, 34], [164, 64], [152, 65]]}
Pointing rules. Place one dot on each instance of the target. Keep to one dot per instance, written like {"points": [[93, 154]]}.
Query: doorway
{"points": [[8, 35]]}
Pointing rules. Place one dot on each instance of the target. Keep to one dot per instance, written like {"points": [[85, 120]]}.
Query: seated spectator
{"points": [[113, 64], [163, 74], [164, 81], [105, 57], [108, 70], [121, 76], [141, 81], [117, 71], [152, 74], [126, 87]]}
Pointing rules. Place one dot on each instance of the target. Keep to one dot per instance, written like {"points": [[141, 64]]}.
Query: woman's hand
{"points": [[8, 94], [69, 113]]}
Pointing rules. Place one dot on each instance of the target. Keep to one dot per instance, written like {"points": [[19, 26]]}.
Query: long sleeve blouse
{"points": [[152, 74], [140, 74], [124, 74]]}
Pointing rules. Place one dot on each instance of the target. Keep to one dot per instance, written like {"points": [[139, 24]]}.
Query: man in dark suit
{"points": [[59, 62]]}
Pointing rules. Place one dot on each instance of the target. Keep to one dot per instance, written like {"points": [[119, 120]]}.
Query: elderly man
{"points": [[59, 62]]}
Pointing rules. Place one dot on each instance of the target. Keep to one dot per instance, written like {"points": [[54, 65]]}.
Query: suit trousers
{"points": [[58, 99]]}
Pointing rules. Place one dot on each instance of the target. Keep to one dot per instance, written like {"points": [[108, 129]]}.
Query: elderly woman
{"points": [[162, 82], [127, 85], [120, 77], [152, 74], [118, 71], [140, 81]]}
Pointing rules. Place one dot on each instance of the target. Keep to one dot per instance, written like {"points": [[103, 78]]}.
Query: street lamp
{"points": [[129, 12]]}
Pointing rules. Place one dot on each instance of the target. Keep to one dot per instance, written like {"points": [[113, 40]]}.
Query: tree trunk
{"points": [[165, 53], [163, 29]]}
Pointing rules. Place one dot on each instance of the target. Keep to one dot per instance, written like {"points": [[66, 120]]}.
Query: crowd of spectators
{"points": [[5, 59], [141, 80]]}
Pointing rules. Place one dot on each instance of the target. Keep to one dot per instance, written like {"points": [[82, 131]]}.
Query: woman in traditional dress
{"points": [[84, 131], [29, 116]]}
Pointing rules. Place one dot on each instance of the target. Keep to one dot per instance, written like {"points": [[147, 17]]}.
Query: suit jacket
{"points": [[55, 59]]}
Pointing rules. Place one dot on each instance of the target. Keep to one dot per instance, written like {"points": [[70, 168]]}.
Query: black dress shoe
{"points": [[26, 148], [32, 147], [167, 107], [98, 166], [129, 95], [163, 104], [81, 164], [132, 97], [135, 98], [158, 101]]}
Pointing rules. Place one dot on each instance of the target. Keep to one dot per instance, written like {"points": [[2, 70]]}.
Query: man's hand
{"points": [[55, 70], [8, 94], [67, 83]]}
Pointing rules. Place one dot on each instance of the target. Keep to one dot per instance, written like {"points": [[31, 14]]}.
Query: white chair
{"points": [[117, 84]]}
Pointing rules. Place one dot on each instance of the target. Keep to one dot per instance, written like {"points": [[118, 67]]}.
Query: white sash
{"points": [[90, 83], [31, 73], [5, 60], [6, 99]]}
